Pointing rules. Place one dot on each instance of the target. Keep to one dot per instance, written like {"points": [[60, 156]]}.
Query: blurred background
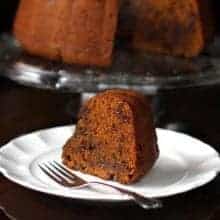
{"points": [[26, 109], [192, 110], [7, 13]]}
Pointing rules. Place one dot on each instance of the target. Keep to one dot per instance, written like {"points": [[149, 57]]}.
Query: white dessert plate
{"points": [[184, 164]]}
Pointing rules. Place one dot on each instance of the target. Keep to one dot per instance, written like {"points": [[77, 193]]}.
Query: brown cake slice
{"points": [[90, 32], [177, 28], [115, 137]]}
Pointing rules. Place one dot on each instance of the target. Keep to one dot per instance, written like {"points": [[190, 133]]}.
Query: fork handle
{"points": [[144, 202]]}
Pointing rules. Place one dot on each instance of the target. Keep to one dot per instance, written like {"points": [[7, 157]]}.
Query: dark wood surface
{"points": [[23, 110]]}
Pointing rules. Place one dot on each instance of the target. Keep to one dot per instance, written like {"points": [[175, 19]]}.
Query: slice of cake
{"points": [[178, 28], [115, 137]]}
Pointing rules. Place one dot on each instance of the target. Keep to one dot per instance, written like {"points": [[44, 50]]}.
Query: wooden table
{"points": [[23, 110]]}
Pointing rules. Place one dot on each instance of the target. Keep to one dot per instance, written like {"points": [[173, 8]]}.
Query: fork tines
{"points": [[60, 174]]}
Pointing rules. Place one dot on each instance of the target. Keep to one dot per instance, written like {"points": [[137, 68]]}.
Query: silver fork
{"points": [[61, 175]]}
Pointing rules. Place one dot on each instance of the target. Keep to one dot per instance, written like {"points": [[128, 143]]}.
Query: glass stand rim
{"points": [[43, 74]]}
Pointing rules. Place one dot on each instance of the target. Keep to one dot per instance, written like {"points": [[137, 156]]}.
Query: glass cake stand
{"points": [[146, 73]]}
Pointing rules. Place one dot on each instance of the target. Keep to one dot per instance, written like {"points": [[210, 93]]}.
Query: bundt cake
{"points": [[115, 137], [84, 31]]}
